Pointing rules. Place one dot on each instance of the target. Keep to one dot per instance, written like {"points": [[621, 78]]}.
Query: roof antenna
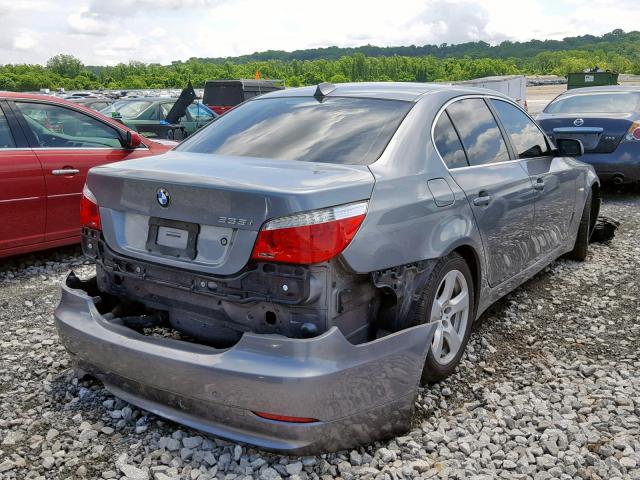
{"points": [[323, 89]]}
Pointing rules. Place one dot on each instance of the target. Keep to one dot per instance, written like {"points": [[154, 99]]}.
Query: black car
{"points": [[223, 95], [607, 122]]}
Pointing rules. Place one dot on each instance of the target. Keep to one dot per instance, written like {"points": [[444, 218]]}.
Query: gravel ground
{"points": [[549, 388]]}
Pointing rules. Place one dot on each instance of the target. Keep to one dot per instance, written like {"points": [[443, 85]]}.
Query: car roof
{"points": [[407, 91], [90, 100], [247, 82], [601, 89], [147, 99]]}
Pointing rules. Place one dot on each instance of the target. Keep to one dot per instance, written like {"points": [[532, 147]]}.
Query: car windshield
{"points": [[127, 109], [330, 130], [605, 102]]}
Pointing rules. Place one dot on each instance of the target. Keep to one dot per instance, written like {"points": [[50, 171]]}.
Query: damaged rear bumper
{"points": [[356, 393]]}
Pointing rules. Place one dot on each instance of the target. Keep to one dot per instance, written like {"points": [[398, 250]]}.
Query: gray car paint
{"points": [[346, 387], [206, 189], [418, 211]]}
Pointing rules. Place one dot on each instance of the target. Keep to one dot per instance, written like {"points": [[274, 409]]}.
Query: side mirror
{"points": [[133, 139], [569, 147]]}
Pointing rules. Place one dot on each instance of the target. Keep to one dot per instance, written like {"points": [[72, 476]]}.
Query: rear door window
{"points": [[165, 108], [448, 143], [6, 139], [479, 131], [526, 137], [331, 130], [196, 110]]}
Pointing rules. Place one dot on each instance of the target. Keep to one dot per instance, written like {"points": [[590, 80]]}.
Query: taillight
{"points": [[219, 109], [285, 418], [310, 237], [89, 211], [633, 134]]}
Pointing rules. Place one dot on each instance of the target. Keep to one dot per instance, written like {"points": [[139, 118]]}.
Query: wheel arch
{"points": [[470, 255]]}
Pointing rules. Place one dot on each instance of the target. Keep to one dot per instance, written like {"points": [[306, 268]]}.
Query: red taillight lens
{"points": [[310, 237], [634, 132], [219, 109], [89, 211], [285, 418]]}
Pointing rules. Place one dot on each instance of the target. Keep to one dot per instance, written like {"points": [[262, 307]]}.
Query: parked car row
{"points": [[140, 113], [145, 114], [322, 250], [47, 145]]}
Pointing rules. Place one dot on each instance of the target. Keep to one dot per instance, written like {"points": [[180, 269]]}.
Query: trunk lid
{"points": [[599, 133], [215, 205]]}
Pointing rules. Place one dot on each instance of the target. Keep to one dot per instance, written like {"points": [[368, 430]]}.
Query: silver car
{"points": [[319, 251]]}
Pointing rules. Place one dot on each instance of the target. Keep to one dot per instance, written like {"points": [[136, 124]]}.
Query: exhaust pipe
{"points": [[618, 179]]}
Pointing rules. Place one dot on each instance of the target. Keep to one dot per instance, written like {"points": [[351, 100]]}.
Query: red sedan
{"points": [[46, 147]]}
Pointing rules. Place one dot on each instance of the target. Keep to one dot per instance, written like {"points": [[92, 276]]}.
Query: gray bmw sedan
{"points": [[320, 251]]}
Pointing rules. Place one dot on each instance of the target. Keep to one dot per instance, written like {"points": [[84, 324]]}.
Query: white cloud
{"points": [[25, 40], [89, 23], [107, 32]]}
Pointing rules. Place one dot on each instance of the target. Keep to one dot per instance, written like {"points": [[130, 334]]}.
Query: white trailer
{"points": [[514, 86]]}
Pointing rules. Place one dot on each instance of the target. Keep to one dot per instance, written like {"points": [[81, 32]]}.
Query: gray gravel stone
{"points": [[548, 389], [294, 468], [192, 442], [6, 466]]}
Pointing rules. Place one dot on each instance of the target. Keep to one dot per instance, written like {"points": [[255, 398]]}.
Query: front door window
{"points": [[55, 126]]}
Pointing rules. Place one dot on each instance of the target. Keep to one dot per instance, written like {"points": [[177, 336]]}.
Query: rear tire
{"points": [[448, 299], [580, 248]]}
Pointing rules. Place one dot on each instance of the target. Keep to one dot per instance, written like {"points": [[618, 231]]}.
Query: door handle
{"points": [[482, 199], [65, 171], [539, 185]]}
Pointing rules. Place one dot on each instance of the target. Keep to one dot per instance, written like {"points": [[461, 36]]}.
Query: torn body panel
{"points": [[355, 393], [292, 300], [403, 284]]}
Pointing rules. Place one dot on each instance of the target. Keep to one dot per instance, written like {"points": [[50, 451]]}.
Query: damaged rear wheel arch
{"points": [[401, 287]]}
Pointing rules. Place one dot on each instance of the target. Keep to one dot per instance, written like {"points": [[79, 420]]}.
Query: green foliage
{"points": [[65, 65], [617, 51]]}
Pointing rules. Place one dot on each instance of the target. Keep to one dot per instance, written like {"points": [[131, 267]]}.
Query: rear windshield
{"points": [[609, 102], [127, 109], [222, 95], [340, 130]]}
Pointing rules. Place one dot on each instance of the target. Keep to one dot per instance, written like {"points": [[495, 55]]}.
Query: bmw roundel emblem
{"points": [[163, 197], [578, 122]]}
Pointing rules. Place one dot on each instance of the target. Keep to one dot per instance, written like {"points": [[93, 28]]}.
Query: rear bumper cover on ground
{"points": [[358, 393]]}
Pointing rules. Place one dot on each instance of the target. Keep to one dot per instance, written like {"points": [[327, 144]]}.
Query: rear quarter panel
{"points": [[404, 224]]}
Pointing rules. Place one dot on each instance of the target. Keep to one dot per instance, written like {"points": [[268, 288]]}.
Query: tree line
{"points": [[615, 41], [68, 72]]}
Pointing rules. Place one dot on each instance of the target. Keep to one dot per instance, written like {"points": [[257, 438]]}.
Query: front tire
{"points": [[447, 299], [580, 248]]}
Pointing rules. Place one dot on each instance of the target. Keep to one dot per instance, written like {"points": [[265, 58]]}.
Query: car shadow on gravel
{"points": [[59, 257]]}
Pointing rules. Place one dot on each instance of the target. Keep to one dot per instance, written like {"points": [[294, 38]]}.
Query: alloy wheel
{"points": [[450, 311]]}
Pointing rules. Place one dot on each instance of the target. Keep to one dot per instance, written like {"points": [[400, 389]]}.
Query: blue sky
{"points": [[105, 32]]}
